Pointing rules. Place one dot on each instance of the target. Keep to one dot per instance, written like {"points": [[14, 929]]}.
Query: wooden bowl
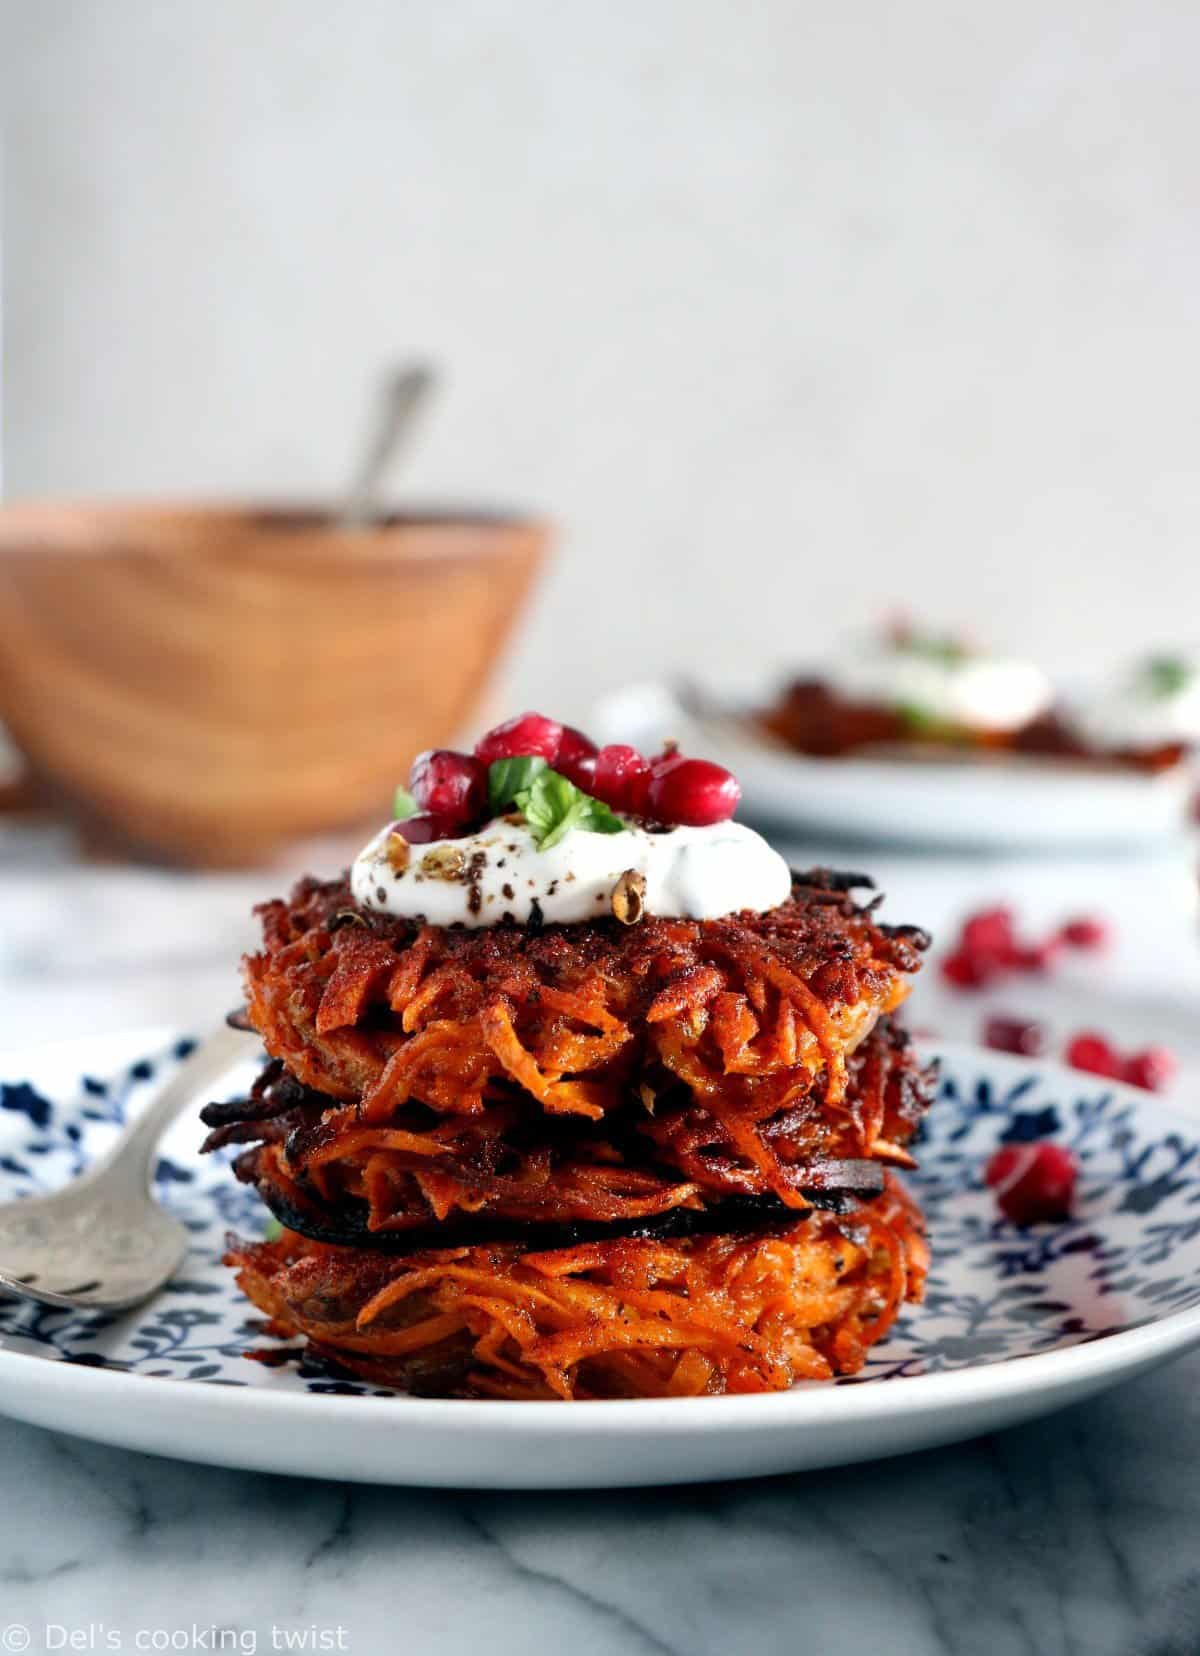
{"points": [[207, 684]]}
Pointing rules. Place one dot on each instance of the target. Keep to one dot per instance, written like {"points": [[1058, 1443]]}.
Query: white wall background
{"points": [[788, 311]]}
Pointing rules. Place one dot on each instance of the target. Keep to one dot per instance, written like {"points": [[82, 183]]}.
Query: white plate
{"points": [[1003, 803], [1015, 1323]]}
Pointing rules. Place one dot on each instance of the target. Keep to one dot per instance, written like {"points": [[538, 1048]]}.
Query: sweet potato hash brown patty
{"points": [[627, 1318], [746, 1011], [325, 1173], [587, 1160]]}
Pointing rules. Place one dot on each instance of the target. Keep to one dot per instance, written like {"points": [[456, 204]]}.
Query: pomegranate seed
{"points": [[576, 758], [450, 785], [1019, 1035], [693, 792], [967, 971], [621, 778], [1093, 1053], [988, 934], [1153, 1069], [1086, 931], [529, 734], [1033, 1181], [1032, 957], [424, 828]]}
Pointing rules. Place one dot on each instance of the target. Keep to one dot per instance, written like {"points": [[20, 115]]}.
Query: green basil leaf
{"points": [[918, 721], [599, 818], [509, 777], [945, 650], [553, 806], [572, 817], [403, 805], [1166, 676]]}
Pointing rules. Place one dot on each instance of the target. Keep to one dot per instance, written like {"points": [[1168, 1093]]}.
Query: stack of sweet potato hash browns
{"points": [[579, 1161]]}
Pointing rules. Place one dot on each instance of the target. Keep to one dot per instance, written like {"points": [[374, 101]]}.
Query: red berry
{"points": [[451, 785], [1032, 957], [425, 827], [1086, 931], [621, 778], [1033, 1181], [1154, 1069], [1093, 1053], [967, 971], [529, 734], [576, 758], [1014, 1035], [692, 792], [988, 934]]}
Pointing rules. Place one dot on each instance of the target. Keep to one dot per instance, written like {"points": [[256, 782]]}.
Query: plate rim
{"points": [[805, 1406]]}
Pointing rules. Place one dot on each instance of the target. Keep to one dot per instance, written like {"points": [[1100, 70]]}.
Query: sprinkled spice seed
{"points": [[629, 897]]}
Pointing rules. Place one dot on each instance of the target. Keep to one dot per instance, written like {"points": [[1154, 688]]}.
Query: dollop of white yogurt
{"points": [[498, 873], [980, 692], [1142, 710]]}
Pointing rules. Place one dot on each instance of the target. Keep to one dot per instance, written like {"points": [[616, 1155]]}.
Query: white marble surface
{"points": [[1074, 1535]]}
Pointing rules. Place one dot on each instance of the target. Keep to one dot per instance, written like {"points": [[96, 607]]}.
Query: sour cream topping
{"points": [[977, 691], [1147, 709], [498, 873]]}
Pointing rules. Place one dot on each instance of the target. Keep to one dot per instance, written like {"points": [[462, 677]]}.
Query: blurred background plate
{"points": [[1014, 804]]}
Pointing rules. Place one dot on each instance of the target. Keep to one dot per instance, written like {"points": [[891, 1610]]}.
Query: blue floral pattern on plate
{"points": [[1130, 1256]]}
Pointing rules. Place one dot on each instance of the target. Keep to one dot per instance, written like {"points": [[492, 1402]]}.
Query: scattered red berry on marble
{"points": [[576, 758], [989, 935], [1094, 1054], [450, 785], [1032, 957], [1020, 1035], [1086, 931], [1033, 1182], [528, 735], [988, 945], [692, 792], [1154, 1069], [966, 971], [621, 778]]}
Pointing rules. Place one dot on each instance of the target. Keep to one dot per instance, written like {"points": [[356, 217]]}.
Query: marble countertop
{"points": [[1074, 1534]]}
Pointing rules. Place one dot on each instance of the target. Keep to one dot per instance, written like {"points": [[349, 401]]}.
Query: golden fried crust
{"points": [[326, 1173], [380, 1012], [625, 1318]]}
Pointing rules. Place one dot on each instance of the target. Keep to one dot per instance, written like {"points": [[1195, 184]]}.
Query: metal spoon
{"points": [[103, 1243], [403, 394]]}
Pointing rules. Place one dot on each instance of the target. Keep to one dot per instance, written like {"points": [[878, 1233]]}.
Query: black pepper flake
{"points": [[380, 894], [536, 918], [474, 877], [507, 889]]}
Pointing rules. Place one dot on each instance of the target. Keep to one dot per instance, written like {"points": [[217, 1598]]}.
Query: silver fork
{"points": [[103, 1243]]}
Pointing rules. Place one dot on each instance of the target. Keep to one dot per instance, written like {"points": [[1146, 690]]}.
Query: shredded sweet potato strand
{"points": [[619, 1318]]}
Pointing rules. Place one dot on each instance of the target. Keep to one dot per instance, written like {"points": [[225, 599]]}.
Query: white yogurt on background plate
{"points": [[498, 873], [1157, 705], [980, 692]]}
